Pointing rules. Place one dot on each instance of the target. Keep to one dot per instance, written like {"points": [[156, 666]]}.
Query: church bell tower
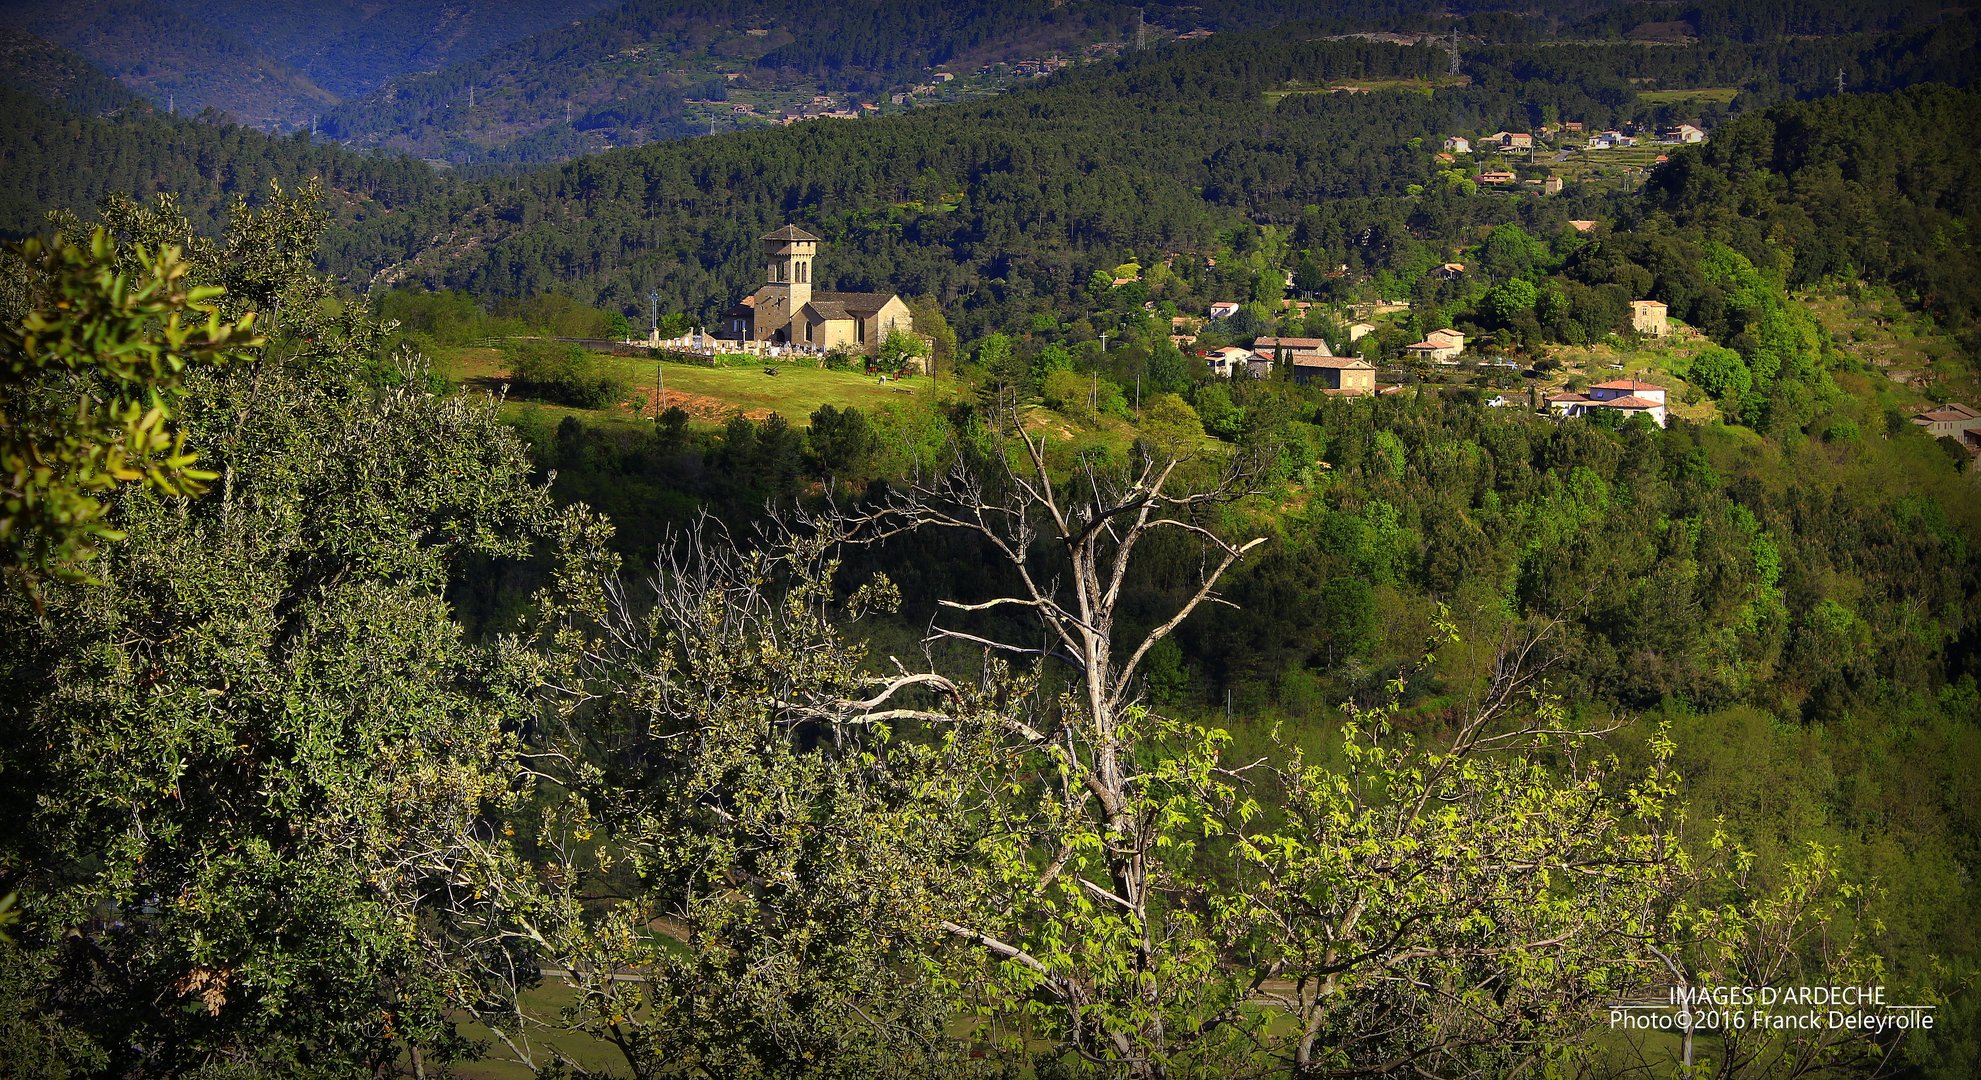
{"points": [[788, 253]]}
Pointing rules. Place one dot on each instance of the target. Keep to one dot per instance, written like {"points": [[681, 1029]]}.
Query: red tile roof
{"points": [[1626, 384]]}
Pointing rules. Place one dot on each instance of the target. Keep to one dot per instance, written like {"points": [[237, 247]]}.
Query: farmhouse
{"points": [[786, 310], [1458, 145], [1347, 375], [1628, 396], [1647, 317], [1267, 346], [1438, 345], [1953, 421]]}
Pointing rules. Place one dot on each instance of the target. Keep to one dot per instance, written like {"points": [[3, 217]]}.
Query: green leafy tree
{"points": [[1454, 903], [839, 441], [254, 773], [897, 350], [95, 368], [1509, 300], [1720, 372], [1171, 426], [749, 868]]}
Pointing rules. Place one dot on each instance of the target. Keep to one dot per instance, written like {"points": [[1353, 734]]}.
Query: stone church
{"points": [[787, 311]]}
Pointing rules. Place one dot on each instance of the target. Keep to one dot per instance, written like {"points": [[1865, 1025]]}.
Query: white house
{"points": [[1229, 361], [1953, 421], [1686, 133], [1458, 145], [1438, 346], [1224, 309], [1628, 396]]}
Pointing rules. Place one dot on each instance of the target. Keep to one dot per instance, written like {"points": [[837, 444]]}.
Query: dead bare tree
{"points": [[1069, 545]]}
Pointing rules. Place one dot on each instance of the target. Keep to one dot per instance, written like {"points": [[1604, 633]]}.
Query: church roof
{"points": [[829, 311], [790, 232], [862, 303]]}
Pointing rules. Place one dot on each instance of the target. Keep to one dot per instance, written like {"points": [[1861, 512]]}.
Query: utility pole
{"points": [[1839, 81], [653, 312], [471, 99], [1454, 52]]}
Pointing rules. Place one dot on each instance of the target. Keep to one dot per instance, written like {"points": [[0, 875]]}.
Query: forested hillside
{"points": [[174, 59], [41, 69], [279, 64], [1839, 188], [52, 158], [1002, 210]]}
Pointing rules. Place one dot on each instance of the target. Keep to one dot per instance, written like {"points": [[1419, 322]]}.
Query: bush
{"points": [[563, 373], [1066, 392]]}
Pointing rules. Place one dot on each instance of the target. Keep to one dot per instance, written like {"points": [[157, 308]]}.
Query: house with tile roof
{"points": [[1954, 421], [1350, 376], [1629, 396], [1438, 345], [1647, 317]]}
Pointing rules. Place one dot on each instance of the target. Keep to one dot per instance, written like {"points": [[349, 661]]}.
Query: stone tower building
{"points": [[786, 310]]}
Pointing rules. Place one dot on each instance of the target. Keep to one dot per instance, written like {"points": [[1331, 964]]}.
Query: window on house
{"points": [[808, 331]]}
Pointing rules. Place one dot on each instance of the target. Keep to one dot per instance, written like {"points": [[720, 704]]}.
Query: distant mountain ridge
{"points": [[174, 59], [275, 64]]}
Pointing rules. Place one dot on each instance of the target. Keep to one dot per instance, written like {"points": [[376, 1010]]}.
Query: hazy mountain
{"points": [[352, 47], [174, 59], [45, 70]]}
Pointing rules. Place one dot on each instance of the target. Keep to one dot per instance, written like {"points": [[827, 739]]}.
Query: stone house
{"points": [[1647, 317]]}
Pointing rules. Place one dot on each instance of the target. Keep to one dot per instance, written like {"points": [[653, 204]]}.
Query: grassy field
{"points": [[1874, 325], [1421, 86], [1584, 165], [1717, 95], [713, 394]]}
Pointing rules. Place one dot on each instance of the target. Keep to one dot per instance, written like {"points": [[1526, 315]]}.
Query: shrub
{"points": [[564, 373]]}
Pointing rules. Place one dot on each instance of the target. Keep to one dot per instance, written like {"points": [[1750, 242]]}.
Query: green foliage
{"points": [[95, 368], [1510, 300], [253, 772], [1720, 372], [1220, 416], [564, 373], [1067, 391], [840, 442], [897, 349], [1171, 426]]}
